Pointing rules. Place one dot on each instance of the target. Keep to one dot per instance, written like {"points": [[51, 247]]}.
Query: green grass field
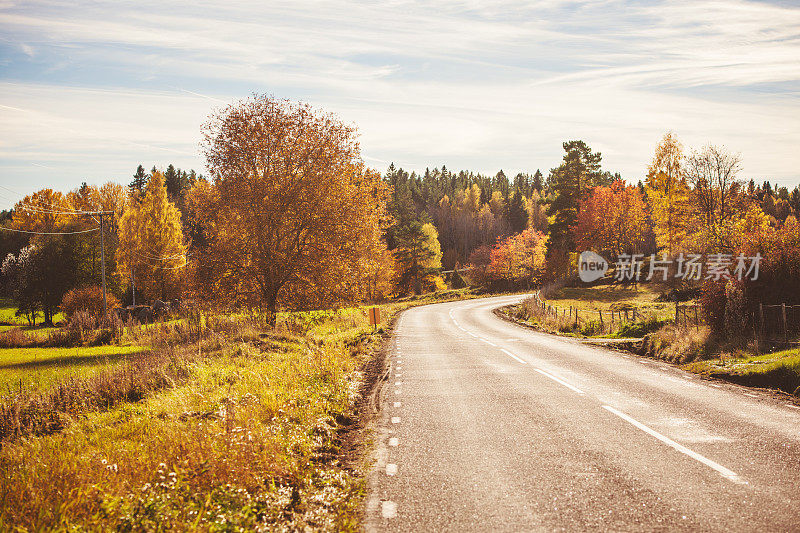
{"points": [[39, 368], [775, 370], [8, 318], [608, 297]]}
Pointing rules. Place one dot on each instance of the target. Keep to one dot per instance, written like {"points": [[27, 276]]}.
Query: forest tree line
{"points": [[289, 216]]}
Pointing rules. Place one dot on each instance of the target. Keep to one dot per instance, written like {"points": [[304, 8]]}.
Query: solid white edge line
{"points": [[511, 355], [558, 380], [490, 343], [729, 474]]}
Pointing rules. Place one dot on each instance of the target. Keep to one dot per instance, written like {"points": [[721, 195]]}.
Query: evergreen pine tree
{"points": [[139, 182]]}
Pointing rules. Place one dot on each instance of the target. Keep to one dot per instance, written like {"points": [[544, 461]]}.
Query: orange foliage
{"points": [[44, 210], [292, 215], [612, 219], [519, 258]]}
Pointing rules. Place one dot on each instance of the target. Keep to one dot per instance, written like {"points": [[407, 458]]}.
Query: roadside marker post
{"points": [[375, 317]]}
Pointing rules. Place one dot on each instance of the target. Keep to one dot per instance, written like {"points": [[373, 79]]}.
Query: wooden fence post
{"points": [[761, 318], [785, 329], [696, 319], [599, 312]]}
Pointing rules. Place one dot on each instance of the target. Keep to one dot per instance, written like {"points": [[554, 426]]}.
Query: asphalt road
{"points": [[489, 426]]}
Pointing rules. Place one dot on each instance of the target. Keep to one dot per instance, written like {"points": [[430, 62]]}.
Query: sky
{"points": [[90, 90]]}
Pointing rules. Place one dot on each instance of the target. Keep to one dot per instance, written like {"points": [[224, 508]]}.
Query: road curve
{"points": [[488, 426]]}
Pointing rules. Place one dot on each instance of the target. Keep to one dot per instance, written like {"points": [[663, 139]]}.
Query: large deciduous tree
{"points": [[612, 219], [291, 213], [519, 259]]}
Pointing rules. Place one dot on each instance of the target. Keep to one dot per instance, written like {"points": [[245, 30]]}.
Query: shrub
{"points": [[640, 329], [88, 299]]}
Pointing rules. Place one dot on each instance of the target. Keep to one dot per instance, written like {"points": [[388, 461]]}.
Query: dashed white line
{"points": [[388, 509], [395, 420], [397, 404], [397, 391], [559, 380], [394, 441], [391, 469], [398, 383], [511, 355], [729, 474]]}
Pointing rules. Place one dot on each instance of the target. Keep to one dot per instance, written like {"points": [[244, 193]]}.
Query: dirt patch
{"points": [[356, 426]]}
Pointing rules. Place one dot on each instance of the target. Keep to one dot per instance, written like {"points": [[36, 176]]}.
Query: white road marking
{"points": [[398, 373], [715, 385], [729, 474], [511, 355], [395, 420], [559, 380], [388, 509], [470, 333], [397, 391], [490, 343], [394, 441], [391, 469], [398, 383], [752, 395], [792, 406], [397, 404]]}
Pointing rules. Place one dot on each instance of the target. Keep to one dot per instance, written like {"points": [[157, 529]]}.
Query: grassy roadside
{"points": [[238, 428], [588, 303], [656, 336], [779, 370]]}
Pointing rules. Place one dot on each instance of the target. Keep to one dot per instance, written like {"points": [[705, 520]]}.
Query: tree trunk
{"points": [[270, 295]]}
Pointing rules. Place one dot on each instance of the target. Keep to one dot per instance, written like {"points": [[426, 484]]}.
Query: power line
{"points": [[48, 232]]}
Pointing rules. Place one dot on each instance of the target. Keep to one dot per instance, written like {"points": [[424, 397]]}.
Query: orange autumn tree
{"points": [[520, 258], [292, 217], [612, 219], [44, 211]]}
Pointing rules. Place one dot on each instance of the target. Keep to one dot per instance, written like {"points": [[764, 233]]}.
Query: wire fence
{"points": [[778, 322], [689, 316], [606, 320], [773, 323]]}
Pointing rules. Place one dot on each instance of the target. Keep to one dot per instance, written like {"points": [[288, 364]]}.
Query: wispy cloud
{"points": [[471, 84]]}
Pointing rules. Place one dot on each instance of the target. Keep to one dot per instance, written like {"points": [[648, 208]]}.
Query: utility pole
{"points": [[102, 215], [103, 261]]}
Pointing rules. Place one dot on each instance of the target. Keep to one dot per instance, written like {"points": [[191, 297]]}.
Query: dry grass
{"points": [[225, 425], [679, 344]]}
